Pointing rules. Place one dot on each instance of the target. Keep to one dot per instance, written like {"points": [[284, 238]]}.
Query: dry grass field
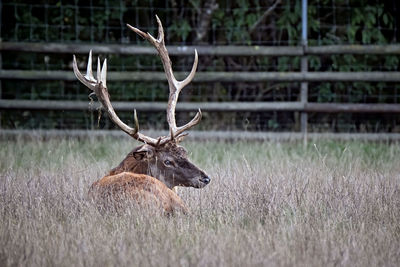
{"points": [[269, 204]]}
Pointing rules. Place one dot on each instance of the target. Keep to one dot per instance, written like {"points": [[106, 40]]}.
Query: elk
{"points": [[150, 171]]}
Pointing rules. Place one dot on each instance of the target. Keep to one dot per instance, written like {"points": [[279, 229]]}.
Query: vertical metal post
{"points": [[304, 69], [1, 56], [1, 66]]}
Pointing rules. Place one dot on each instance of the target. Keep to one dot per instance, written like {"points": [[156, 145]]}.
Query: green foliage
{"points": [[289, 23], [180, 29], [329, 23], [365, 26]]}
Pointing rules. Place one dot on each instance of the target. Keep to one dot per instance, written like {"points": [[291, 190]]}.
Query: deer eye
{"points": [[168, 162]]}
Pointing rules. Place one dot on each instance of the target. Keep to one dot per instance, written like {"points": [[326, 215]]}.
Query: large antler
{"points": [[99, 87], [175, 86]]}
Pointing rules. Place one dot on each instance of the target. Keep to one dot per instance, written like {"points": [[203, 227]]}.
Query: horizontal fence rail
{"points": [[205, 106], [208, 77], [303, 76], [203, 50]]}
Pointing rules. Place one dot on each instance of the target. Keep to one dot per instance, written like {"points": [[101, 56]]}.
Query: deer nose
{"points": [[205, 180]]}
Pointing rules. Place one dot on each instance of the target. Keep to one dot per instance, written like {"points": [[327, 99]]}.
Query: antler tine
{"points": [[196, 119], [190, 77], [175, 86], [139, 32], [160, 37], [173, 99], [89, 71], [103, 75], [98, 69], [90, 84], [99, 87]]}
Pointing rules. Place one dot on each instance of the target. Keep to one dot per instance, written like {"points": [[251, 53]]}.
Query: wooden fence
{"points": [[304, 76]]}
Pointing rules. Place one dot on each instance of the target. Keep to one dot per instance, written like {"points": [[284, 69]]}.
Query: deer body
{"points": [[148, 172], [141, 188], [147, 175]]}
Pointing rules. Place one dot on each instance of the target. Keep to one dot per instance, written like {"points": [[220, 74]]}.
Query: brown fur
{"points": [[142, 188], [130, 164], [144, 177]]}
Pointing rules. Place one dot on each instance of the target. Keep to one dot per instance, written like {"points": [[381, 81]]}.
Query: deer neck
{"points": [[130, 164]]}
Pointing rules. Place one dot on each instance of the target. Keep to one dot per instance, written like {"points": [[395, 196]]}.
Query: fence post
{"points": [[1, 58], [304, 69]]}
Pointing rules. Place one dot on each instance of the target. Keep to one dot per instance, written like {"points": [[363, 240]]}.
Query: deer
{"points": [[150, 172]]}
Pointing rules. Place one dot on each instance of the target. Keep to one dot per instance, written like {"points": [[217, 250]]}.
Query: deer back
{"points": [[143, 189]]}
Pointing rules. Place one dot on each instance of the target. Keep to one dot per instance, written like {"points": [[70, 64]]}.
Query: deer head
{"points": [[162, 157], [169, 163]]}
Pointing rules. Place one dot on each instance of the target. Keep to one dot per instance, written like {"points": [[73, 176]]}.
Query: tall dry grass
{"points": [[268, 204]]}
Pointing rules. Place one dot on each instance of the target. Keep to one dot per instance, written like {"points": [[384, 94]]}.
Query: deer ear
{"points": [[143, 152]]}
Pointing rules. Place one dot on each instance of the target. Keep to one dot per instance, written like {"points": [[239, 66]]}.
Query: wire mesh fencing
{"points": [[199, 23]]}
